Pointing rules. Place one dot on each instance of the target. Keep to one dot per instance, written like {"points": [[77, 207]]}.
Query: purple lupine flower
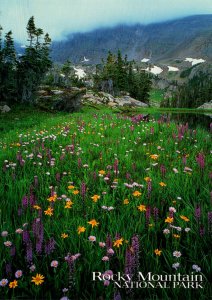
{"points": [[94, 175], [152, 130], [50, 246], [202, 231], [25, 236], [148, 215], [57, 176], [79, 162], [149, 188], [135, 247], [83, 190], [38, 232], [197, 212], [155, 213], [12, 250], [117, 296], [200, 158], [163, 170], [35, 181], [184, 159], [25, 201], [29, 252], [128, 176], [129, 262], [19, 211], [8, 269], [62, 156], [109, 243]]}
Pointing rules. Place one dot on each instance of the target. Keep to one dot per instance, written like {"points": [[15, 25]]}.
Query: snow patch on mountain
{"points": [[154, 70], [194, 61], [173, 69], [80, 73], [145, 60]]}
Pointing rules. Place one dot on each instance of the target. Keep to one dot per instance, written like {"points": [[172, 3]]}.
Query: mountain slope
{"points": [[190, 36]]}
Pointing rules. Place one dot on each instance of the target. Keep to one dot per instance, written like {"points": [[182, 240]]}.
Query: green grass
{"points": [[74, 149]]}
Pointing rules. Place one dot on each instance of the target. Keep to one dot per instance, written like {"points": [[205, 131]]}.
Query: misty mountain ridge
{"points": [[177, 39]]}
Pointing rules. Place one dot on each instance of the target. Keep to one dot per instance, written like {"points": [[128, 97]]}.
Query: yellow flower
{"points": [[177, 236], [36, 207], [13, 284], [49, 211], [64, 235], [69, 204], [185, 218], [136, 194], [38, 279], [162, 184], [93, 222], [52, 198], [142, 207], [126, 201], [169, 220], [71, 187], [102, 172], [81, 229], [118, 242], [95, 198], [75, 192], [158, 252], [147, 179], [154, 156]]}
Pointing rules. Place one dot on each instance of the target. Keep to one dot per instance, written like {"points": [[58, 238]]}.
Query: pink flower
{"points": [[101, 244], [105, 258], [92, 238], [54, 264], [110, 251], [106, 282], [32, 268], [18, 274], [3, 282], [8, 244], [172, 209], [4, 233], [19, 230]]}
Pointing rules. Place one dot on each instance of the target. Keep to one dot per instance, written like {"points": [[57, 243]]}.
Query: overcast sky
{"points": [[59, 17]]}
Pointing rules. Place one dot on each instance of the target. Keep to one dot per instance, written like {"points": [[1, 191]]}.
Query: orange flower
{"points": [[95, 198], [49, 211], [142, 207], [13, 284], [36, 207], [147, 179], [52, 198], [126, 201], [118, 242], [69, 204], [154, 156], [81, 229], [162, 184], [158, 252], [75, 192], [169, 220], [71, 187], [136, 194], [102, 172], [93, 223], [185, 218], [64, 235], [38, 279], [177, 236]]}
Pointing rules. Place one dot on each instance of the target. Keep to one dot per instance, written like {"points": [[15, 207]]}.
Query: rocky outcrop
{"points": [[68, 100], [107, 99], [4, 108], [207, 105]]}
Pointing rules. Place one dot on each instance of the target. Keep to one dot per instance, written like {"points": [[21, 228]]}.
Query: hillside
{"points": [[190, 36]]}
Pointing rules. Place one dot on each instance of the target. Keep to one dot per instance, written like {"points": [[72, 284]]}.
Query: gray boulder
{"points": [[207, 105], [5, 108]]}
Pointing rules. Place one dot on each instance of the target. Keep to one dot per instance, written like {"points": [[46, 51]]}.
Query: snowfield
{"points": [[173, 69], [154, 70], [80, 73], [194, 61]]}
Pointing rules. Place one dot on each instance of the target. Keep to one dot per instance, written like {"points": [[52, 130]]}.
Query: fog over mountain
{"points": [[185, 37]]}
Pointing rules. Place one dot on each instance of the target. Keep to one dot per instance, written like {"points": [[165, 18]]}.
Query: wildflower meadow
{"points": [[105, 193]]}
